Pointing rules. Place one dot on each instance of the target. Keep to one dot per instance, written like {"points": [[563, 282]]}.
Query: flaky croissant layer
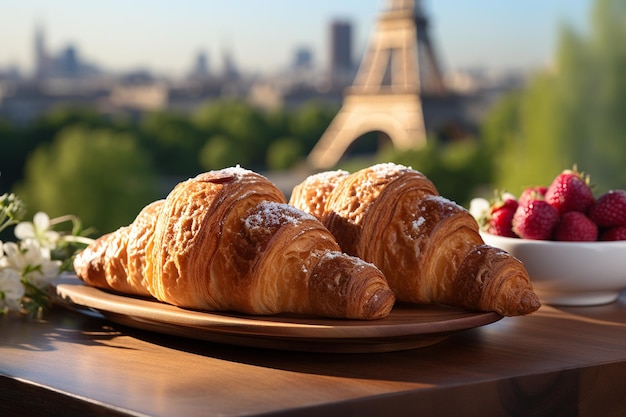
{"points": [[227, 241], [426, 245]]}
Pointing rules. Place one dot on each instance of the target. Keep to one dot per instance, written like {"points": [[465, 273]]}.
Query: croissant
{"points": [[428, 247], [311, 194], [227, 241], [116, 260]]}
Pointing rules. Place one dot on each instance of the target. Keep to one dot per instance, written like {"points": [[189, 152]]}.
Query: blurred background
{"points": [[105, 106]]}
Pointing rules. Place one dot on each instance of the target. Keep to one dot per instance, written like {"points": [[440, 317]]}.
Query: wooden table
{"points": [[556, 362]]}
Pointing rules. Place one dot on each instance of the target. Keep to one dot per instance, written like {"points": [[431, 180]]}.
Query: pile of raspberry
{"points": [[564, 211]]}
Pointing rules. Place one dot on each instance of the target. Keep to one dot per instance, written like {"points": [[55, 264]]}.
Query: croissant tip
{"points": [[380, 304], [528, 303], [531, 302]]}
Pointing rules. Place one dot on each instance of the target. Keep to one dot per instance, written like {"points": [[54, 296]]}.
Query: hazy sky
{"points": [[262, 35]]}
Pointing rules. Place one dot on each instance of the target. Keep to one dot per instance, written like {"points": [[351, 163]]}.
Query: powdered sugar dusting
{"points": [[446, 203], [327, 176], [358, 262], [370, 184], [236, 171], [272, 214], [388, 169], [311, 195], [417, 223], [224, 175]]}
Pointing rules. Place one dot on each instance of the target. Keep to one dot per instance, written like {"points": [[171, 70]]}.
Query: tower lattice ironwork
{"points": [[398, 67]]}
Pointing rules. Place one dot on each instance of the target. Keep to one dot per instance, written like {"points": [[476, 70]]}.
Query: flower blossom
{"points": [[479, 207], [31, 261], [26, 266], [11, 289], [38, 230]]}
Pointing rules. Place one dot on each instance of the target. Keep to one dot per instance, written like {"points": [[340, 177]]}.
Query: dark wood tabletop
{"points": [[559, 361]]}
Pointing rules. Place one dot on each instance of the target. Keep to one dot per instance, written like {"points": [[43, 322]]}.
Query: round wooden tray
{"points": [[407, 326]]}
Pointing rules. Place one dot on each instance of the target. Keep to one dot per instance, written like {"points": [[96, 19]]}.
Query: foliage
{"points": [[219, 152], [100, 175], [308, 124], [574, 115], [17, 143], [528, 153], [29, 265], [242, 124], [15, 148], [283, 153], [173, 142], [58, 118]]}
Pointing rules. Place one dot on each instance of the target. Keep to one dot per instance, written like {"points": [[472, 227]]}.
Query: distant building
{"points": [[229, 69], [42, 60], [200, 68], [143, 97], [341, 46], [303, 59], [67, 64], [341, 63]]}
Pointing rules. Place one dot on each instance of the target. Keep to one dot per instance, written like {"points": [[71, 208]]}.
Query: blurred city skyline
{"points": [[264, 37]]}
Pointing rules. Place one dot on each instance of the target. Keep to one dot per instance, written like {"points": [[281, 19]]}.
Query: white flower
{"points": [[12, 257], [32, 261], [11, 289], [26, 266], [508, 196], [479, 207], [38, 230]]}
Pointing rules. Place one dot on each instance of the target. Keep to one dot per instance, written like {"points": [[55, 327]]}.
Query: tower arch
{"points": [[385, 95]]}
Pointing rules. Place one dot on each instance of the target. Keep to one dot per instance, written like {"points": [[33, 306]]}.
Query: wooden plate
{"points": [[407, 327]]}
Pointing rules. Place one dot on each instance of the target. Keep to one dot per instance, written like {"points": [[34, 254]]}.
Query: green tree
{"points": [[529, 152], [174, 142], [309, 122], [101, 176], [278, 121], [245, 126], [17, 143], [574, 114], [283, 153], [14, 150], [219, 152], [62, 116]]}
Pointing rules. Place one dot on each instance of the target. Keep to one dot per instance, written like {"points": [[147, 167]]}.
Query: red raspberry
{"points": [[570, 191], [614, 233], [610, 209], [574, 226], [536, 220], [500, 219]]}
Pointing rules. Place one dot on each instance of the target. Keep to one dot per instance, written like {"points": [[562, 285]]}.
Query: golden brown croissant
{"points": [[140, 232], [116, 261], [428, 247], [311, 194], [227, 241]]}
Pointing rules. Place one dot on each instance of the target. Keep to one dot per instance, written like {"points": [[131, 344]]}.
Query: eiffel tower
{"points": [[397, 68]]}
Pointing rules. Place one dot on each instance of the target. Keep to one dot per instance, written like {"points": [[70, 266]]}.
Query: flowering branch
{"points": [[28, 266], [11, 210]]}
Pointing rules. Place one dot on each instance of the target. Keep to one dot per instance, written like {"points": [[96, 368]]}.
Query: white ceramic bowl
{"points": [[570, 273]]}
